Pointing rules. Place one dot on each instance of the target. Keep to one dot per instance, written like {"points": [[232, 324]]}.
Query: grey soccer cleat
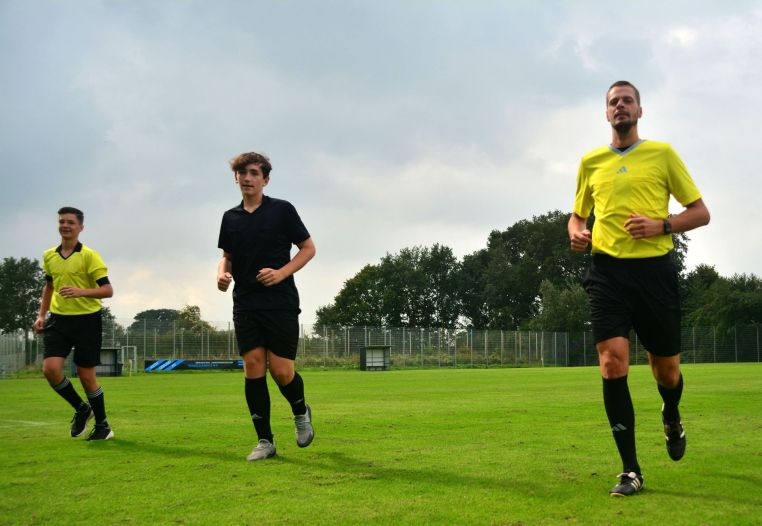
{"points": [[304, 431], [265, 449]]}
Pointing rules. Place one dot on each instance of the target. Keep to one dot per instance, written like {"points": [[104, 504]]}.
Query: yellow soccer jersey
{"points": [[638, 180], [84, 269]]}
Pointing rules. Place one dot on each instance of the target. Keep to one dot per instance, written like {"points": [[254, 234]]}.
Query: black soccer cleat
{"points": [[629, 484], [675, 435], [101, 432], [79, 421]]}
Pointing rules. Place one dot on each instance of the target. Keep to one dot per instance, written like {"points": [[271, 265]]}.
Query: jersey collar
{"points": [[240, 208], [77, 248], [629, 149]]}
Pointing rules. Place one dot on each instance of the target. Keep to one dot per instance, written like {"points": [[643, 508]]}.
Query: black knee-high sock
{"points": [[258, 400], [621, 414], [294, 393], [98, 403], [66, 390], [671, 399]]}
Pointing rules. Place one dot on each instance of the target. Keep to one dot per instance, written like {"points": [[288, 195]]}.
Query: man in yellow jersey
{"points": [[632, 282], [76, 279]]}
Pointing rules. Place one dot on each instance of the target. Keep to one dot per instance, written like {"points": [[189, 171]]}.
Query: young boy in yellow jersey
{"points": [[632, 282], [76, 279]]}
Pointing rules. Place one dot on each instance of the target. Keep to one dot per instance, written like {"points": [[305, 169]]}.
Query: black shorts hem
{"points": [[80, 333], [638, 295], [600, 337], [274, 330]]}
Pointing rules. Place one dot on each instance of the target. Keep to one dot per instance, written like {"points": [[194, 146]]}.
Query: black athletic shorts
{"points": [[275, 330], [641, 294], [80, 332]]}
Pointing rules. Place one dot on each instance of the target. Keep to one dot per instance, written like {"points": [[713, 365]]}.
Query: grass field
{"points": [[484, 446]]}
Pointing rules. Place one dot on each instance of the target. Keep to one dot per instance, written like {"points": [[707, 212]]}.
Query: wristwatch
{"points": [[667, 227]]}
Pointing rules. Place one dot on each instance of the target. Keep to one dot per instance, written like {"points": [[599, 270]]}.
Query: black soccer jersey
{"points": [[262, 239]]}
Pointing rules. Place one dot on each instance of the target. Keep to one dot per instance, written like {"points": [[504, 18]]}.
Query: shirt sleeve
{"points": [[680, 183], [97, 268], [583, 201], [224, 240], [45, 269], [297, 232]]}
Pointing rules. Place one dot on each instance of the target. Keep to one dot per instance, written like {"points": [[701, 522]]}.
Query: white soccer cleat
{"points": [[265, 449], [303, 426]]}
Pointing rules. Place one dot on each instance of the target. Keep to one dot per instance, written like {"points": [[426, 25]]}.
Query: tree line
{"points": [[22, 281], [526, 277]]}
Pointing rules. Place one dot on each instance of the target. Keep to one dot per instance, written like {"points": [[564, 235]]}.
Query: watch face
{"points": [[667, 227]]}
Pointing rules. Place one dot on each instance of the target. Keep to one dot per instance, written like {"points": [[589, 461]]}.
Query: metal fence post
{"points": [[145, 339], [555, 351], [455, 348], [174, 339], [471, 347], [516, 346], [714, 343], [486, 357], [502, 343], [694, 344]]}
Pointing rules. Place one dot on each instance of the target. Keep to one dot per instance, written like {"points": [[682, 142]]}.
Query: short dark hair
{"points": [[623, 83], [240, 162], [71, 210]]}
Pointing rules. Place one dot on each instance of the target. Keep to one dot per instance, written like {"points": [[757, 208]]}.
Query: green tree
{"points": [[562, 308], [113, 332], [358, 303], [475, 311], [694, 286], [189, 318], [417, 287], [680, 252], [519, 259], [726, 302], [161, 319], [21, 284], [496, 287]]}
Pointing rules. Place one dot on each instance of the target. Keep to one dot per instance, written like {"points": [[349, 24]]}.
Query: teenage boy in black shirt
{"points": [[256, 239]]}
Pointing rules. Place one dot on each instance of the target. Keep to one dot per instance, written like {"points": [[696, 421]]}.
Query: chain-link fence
{"points": [[327, 347], [12, 355], [409, 347]]}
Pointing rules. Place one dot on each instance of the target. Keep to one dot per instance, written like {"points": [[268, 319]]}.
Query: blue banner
{"points": [[192, 365]]}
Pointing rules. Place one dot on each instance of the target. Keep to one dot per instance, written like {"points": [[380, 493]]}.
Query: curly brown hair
{"points": [[239, 163]]}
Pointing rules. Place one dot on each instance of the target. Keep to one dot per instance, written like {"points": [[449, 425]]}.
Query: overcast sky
{"points": [[389, 124]]}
